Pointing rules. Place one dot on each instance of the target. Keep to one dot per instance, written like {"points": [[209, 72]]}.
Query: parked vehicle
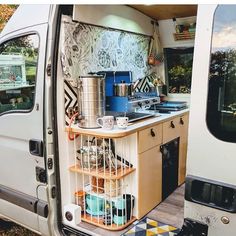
{"points": [[43, 189]]}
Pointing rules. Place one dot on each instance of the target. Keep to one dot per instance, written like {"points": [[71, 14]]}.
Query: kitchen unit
{"points": [[136, 170], [151, 159], [142, 146]]}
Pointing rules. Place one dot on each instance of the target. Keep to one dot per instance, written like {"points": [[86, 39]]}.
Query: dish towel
{"points": [[156, 55]]}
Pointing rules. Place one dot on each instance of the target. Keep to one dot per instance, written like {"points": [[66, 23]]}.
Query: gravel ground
{"points": [[11, 229]]}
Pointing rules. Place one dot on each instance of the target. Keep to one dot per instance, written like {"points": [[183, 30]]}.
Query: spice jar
{"points": [[80, 199]]}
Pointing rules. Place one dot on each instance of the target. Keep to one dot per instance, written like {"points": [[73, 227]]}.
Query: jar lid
{"points": [[80, 193]]}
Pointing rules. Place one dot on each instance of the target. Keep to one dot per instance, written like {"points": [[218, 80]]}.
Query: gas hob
{"points": [[143, 101]]}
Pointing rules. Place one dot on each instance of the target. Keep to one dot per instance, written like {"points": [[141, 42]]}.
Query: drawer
{"points": [[171, 129], [149, 138]]}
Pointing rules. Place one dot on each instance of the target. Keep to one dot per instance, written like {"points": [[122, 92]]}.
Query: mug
{"points": [[13, 101], [122, 122], [19, 100], [107, 122], [120, 203], [129, 199]]}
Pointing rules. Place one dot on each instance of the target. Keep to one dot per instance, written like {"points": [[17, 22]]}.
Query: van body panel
{"points": [[208, 157], [27, 15], [218, 156], [44, 228], [17, 128], [212, 218], [42, 192], [19, 215]]}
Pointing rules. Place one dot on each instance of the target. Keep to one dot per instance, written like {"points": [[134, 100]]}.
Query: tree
{"points": [[6, 11], [223, 74]]}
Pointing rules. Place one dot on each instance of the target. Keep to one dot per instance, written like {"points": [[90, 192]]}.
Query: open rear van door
{"points": [[23, 179], [210, 187]]}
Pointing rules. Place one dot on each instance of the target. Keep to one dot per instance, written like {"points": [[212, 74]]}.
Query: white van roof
{"points": [[27, 15]]}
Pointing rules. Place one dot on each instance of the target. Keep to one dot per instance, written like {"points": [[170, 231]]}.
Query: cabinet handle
{"points": [[153, 133], [172, 125], [181, 121]]}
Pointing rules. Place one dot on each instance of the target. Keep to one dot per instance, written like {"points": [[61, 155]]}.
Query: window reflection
{"points": [[18, 65], [221, 109]]}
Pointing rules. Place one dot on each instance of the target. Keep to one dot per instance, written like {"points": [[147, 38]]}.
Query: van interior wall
{"points": [[114, 16]]}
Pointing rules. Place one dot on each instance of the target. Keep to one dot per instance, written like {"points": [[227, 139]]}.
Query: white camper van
{"points": [[67, 72]]}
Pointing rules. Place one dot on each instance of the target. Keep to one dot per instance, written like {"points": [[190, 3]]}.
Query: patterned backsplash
{"points": [[87, 48]]}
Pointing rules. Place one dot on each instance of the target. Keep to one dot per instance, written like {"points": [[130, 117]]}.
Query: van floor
{"points": [[170, 211]]}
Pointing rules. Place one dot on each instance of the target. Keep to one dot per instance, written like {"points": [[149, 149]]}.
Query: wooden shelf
{"points": [[121, 172], [99, 222], [101, 133], [184, 36]]}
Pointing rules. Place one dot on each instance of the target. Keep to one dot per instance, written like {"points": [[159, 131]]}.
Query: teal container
{"points": [[120, 203], [95, 205], [119, 220]]}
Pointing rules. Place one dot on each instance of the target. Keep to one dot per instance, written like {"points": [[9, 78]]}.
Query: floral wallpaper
{"points": [[87, 48]]}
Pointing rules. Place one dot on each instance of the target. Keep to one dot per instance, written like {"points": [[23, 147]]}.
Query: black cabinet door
{"points": [[170, 160]]}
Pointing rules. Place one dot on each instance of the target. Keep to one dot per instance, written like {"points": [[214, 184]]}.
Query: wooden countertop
{"points": [[132, 128]]}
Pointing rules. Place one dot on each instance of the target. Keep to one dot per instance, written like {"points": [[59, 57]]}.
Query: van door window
{"points": [[18, 67], [221, 104]]}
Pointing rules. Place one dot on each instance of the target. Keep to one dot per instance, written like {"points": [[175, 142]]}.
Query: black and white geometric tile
{"points": [[70, 99], [143, 85]]}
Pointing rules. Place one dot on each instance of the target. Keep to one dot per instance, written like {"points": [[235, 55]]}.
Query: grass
{"points": [[8, 228]]}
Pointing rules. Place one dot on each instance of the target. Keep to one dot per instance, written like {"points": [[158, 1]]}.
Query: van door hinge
{"points": [[49, 70]]}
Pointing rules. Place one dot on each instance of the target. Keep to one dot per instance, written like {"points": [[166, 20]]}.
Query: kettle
{"points": [[91, 100]]}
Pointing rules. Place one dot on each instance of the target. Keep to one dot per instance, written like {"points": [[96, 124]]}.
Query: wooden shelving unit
{"points": [[99, 222], [109, 176], [184, 36], [104, 173]]}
